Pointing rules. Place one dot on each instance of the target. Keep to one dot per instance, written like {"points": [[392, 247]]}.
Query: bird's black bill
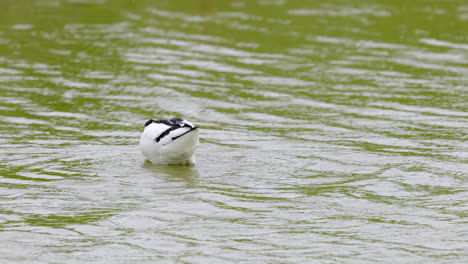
{"points": [[191, 129], [172, 128]]}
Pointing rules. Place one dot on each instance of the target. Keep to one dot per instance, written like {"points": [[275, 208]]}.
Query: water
{"points": [[330, 132]]}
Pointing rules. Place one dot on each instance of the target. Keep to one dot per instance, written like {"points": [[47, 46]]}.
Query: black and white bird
{"points": [[170, 141]]}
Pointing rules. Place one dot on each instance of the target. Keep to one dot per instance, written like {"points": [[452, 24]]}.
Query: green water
{"points": [[331, 132]]}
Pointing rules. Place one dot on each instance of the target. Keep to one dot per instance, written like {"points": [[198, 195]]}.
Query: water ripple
{"points": [[328, 132]]}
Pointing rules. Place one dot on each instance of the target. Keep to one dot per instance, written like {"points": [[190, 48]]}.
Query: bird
{"points": [[171, 141]]}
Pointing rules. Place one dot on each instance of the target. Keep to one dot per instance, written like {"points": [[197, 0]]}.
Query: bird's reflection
{"points": [[175, 173]]}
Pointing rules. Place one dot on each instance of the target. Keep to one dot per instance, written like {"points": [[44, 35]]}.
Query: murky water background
{"points": [[331, 132]]}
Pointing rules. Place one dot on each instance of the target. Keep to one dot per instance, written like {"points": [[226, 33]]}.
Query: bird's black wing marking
{"points": [[174, 127], [166, 122], [149, 122], [173, 123], [166, 132]]}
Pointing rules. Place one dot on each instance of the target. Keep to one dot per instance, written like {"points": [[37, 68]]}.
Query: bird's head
{"points": [[166, 132]]}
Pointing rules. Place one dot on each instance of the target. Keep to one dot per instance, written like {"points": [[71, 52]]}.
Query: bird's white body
{"points": [[170, 141]]}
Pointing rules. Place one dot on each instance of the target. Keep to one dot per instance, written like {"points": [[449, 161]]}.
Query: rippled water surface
{"points": [[331, 131]]}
